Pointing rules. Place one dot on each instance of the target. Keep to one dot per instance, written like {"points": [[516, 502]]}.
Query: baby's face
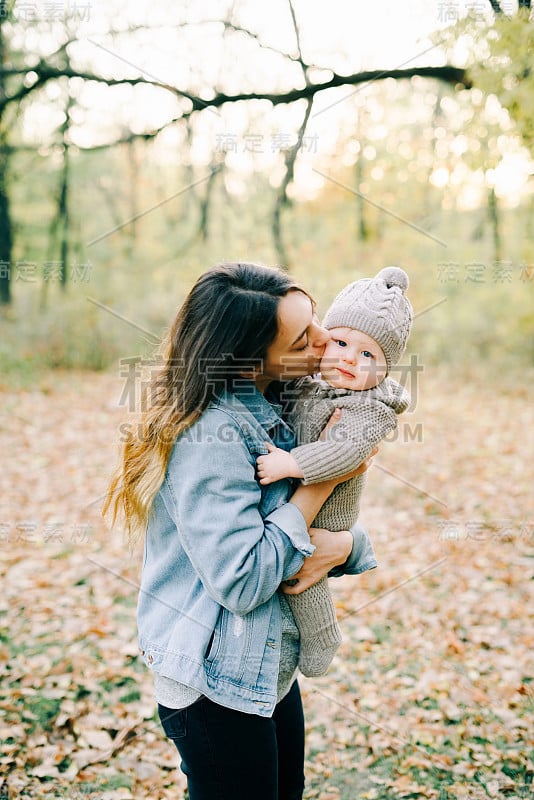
{"points": [[352, 360]]}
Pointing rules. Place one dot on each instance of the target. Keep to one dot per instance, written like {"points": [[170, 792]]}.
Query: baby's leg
{"points": [[320, 636]]}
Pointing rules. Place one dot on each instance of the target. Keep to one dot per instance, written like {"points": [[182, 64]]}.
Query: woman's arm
{"points": [[332, 549], [349, 442], [336, 552], [306, 499], [212, 495]]}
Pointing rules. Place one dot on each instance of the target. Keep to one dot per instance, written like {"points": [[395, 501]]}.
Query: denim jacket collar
{"points": [[244, 392]]}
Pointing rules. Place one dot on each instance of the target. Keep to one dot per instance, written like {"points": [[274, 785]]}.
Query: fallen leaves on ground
{"points": [[431, 694]]}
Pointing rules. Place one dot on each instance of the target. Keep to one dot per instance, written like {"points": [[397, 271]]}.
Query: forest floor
{"points": [[431, 694]]}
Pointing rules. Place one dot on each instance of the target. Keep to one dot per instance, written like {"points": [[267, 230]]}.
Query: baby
{"points": [[369, 322]]}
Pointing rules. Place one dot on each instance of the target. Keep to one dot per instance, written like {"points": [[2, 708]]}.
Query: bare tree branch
{"points": [[228, 25], [205, 204], [46, 73], [282, 199], [496, 6], [252, 35], [293, 151], [291, 155], [297, 34]]}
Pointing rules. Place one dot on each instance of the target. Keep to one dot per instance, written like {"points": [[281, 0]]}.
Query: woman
{"points": [[214, 624]]}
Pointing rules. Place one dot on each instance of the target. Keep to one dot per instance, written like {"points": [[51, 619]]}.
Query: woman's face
{"points": [[299, 345]]}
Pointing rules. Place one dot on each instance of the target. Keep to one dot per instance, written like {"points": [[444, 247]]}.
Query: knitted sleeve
{"points": [[362, 426]]}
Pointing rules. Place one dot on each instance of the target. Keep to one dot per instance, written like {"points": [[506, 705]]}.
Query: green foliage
{"points": [[487, 314], [500, 61], [136, 246], [41, 711], [509, 70]]}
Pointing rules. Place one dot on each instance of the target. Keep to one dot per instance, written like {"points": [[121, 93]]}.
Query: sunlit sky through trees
{"points": [[187, 46]]}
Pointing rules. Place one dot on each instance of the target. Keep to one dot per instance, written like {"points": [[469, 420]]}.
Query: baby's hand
{"points": [[277, 464]]}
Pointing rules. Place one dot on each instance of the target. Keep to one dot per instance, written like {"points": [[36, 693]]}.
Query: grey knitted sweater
{"points": [[367, 417]]}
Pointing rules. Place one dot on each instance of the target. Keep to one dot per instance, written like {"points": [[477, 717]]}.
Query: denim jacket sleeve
{"points": [[212, 495]]}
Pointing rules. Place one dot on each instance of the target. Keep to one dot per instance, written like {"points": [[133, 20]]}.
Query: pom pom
{"points": [[394, 276]]}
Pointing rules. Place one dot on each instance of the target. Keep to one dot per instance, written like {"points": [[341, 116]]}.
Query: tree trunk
{"points": [[6, 236], [281, 252], [6, 232], [205, 207], [64, 221], [363, 228], [133, 177], [493, 213]]}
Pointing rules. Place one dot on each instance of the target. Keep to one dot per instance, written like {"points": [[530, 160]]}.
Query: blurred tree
{"points": [[509, 73], [6, 236], [22, 78], [501, 66], [363, 226]]}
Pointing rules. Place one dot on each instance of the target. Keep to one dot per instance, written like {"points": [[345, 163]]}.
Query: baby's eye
{"points": [[340, 342], [367, 354]]}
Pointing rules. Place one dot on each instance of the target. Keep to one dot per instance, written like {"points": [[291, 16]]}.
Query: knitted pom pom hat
{"points": [[376, 306]]}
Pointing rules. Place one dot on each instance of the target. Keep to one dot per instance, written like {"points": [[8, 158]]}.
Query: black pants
{"points": [[230, 755]]}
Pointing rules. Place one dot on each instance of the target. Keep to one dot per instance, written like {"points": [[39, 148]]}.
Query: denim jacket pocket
{"points": [[229, 646], [214, 644]]}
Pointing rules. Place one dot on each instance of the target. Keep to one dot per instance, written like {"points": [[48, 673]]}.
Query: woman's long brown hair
{"points": [[224, 328]]}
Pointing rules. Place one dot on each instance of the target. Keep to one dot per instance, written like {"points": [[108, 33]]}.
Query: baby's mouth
{"points": [[344, 372]]}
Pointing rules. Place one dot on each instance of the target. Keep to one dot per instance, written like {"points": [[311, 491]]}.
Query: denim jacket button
{"points": [[150, 659]]}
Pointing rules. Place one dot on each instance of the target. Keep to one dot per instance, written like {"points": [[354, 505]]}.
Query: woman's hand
{"points": [[332, 548], [335, 416]]}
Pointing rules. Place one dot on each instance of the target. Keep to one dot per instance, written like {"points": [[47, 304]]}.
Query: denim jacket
{"points": [[217, 547]]}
